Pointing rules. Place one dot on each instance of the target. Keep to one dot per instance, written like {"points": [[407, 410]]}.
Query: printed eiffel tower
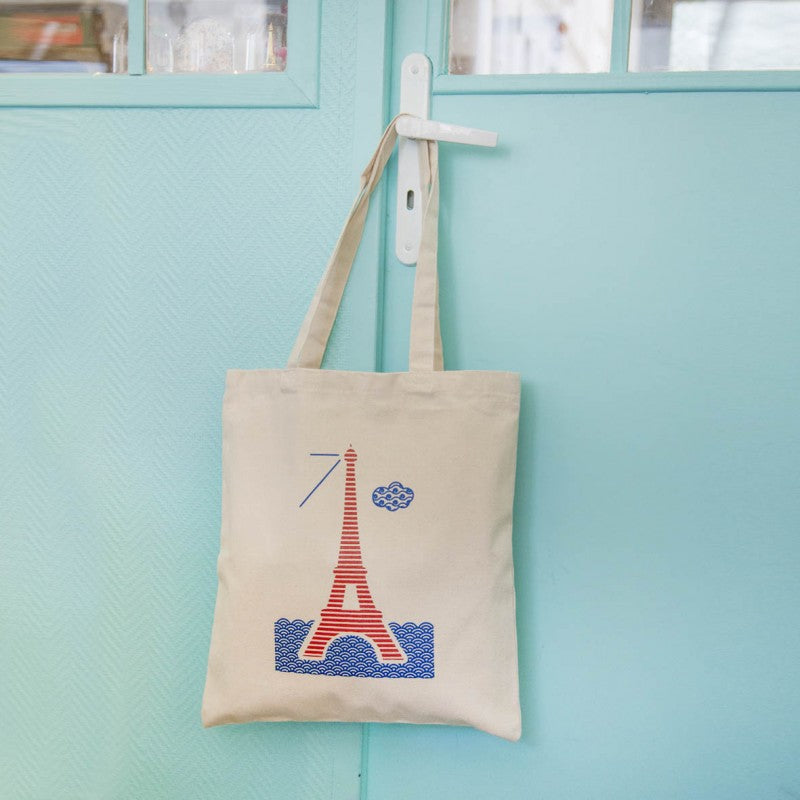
{"points": [[365, 620]]}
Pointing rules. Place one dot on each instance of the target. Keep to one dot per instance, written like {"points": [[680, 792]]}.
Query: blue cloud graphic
{"points": [[393, 497]]}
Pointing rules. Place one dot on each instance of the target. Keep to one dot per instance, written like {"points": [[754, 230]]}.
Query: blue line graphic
{"points": [[320, 483], [332, 455]]}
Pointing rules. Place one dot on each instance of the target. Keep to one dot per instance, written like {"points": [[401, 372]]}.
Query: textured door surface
{"points": [[144, 252], [635, 257]]}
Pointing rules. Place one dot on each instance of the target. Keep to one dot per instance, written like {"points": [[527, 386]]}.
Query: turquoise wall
{"points": [[144, 252], [633, 256]]}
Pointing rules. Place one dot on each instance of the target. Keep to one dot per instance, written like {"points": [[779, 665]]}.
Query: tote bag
{"points": [[365, 568]]}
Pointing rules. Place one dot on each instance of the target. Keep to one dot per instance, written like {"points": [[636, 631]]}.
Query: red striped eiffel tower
{"points": [[366, 620]]}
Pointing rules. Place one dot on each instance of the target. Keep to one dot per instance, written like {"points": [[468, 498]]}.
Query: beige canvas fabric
{"points": [[365, 568]]}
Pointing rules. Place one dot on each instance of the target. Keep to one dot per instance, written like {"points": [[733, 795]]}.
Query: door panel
{"points": [[144, 252], [635, 258]]}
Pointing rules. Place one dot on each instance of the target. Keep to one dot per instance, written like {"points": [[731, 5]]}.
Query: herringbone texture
{"points": [[144, 252]]}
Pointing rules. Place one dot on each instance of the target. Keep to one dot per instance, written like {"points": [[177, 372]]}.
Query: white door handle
{"points": [[415, 98], [412, 127]]}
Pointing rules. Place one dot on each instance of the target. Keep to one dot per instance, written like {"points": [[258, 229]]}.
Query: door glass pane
{"points": [[507, 37], [715, 35], [216, 35], [63, 36]]}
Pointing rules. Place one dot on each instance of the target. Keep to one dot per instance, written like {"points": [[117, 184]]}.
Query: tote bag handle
{"points": [[425, 350]]}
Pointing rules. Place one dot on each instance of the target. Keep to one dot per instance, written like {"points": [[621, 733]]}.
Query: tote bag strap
{"points": [[425, 352], [425, 347]]}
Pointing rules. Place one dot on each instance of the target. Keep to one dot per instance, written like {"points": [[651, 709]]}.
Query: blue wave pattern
{"points": [[352, 656], [393, 497]]}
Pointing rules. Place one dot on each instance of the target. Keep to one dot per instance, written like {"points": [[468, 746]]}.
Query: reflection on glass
{"points": [[507, 37], [224, 36], [715, 35], [61, 36]]}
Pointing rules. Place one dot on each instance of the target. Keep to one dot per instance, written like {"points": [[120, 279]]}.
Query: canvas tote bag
{"points": [[365, 569]]}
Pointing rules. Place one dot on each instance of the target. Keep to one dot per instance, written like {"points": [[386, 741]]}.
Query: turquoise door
{"points": [[632, 253]]}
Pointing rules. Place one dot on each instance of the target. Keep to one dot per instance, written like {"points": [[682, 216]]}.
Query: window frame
{"points": [[296, 87], [617, 79]]}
